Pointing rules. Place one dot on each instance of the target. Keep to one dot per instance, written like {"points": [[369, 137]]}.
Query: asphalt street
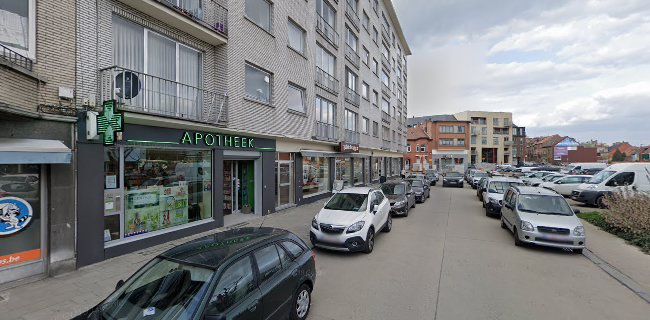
{"points": [[447, 260]]}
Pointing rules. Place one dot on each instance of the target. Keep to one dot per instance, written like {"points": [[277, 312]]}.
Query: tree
{"points": [[618, 156]]}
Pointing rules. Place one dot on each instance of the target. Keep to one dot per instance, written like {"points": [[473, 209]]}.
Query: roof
{"points": [[213, 250], [535, 190], [416, 133], [435, 118], [359, 190]]}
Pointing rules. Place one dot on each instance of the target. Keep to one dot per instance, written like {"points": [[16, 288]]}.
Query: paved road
{"points": [[447, 260]]}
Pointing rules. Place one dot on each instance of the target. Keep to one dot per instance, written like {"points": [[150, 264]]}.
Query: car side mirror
{"points": [[375, 208], [119, 284], [576, 210]]}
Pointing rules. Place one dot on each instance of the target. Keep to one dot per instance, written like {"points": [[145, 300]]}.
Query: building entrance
{"points": [[239, 186]]}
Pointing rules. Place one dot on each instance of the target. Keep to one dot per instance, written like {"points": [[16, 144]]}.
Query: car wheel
{"points": [[434, 183], [577, 251], [406, 213], [483, 203], [503, 224], [518, 242], [303, 302], [414, 202], [601, 202], [389, 225], [370, 241], [487, 212]]}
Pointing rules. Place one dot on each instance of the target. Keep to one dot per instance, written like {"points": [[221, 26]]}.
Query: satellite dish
{"points": [[128, 84]]}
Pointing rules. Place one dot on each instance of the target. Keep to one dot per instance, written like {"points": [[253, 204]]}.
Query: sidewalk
{"points": [[628, 259], [68, 295]]}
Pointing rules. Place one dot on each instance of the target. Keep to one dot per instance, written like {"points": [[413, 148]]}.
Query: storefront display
{"points": [[358, 171], [343, 170], [315, 175], [376, 168]]}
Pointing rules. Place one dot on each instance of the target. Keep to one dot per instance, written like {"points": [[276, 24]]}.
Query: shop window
{"points": [[342, 170], [376, 168], [315, 172], [358, 171]]}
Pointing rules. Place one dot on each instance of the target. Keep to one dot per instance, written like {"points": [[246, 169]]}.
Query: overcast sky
{"points": [[579, 68]]}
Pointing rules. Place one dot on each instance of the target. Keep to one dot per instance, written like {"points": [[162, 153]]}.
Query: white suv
{"points": [[350, 219]]}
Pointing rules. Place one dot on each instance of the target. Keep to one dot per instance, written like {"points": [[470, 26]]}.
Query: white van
{"points": [[583, 166], [617, 177]]}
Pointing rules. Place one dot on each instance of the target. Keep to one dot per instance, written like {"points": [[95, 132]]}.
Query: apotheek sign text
{"points": [[217, 140]]}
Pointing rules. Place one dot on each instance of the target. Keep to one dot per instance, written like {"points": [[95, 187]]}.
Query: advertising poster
{"points": [[19, 232], [142, 211], [174, 206]]}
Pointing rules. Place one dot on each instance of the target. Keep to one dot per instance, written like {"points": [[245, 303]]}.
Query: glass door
{"points": [[285, 183]]}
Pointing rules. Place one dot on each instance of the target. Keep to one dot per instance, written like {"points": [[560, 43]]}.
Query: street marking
{"points": [[621, 277]]}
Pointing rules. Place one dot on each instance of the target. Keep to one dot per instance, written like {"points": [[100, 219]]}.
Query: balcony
{"points": [[206, 19], [385, 144], [352, 137], [328, 32], [507, 143], [385, 34], [327, 81], [143, 93], [385, 89], [352, 97], [352, 56], [325, 131], [10, 57], [385, 117], [352, 15], [385, 62]]}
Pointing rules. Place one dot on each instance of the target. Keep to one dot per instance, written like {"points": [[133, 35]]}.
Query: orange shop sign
{"points": [[20, 257]]}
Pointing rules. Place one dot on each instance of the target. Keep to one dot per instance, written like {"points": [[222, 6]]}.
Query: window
{"points": [[294, 249], [351, 80], [235, 284], [364, 90], [258, 84], [417, 148], [259, 11], [408, 148], [384, 51], [473, 139], [385, 79], [375, 97], [326, 12], [350, 120], [285, 258], [315, 175], [446, 129], [375, 35], [460, 129], [296, 98], [325, 111], [385, 106], [366, 56], [495, 141], [18, 26], [495, 121], [375, 5], [375, 129], [375, 66], [460, 142], [399, 116], [342, 170], [325, 61], [483, 140], [365, 20], [351, 39], [621, 179], [365, 124], [296, 37], [473, 130], [506, 122], [446, 142], [268, 261], [357, 171], [484, 130], [423, 148]]}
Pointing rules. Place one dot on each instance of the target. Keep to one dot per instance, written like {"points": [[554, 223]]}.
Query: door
{"points": [[236, 295], [384, 208], [276, 283], [506, 211], [285, 190]]}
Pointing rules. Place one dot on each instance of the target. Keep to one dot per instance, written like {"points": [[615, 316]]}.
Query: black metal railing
{"points": [[352, 97], [327, 31], [207, 12], [143, 93], [326, 81], [326, 131], [352, 56], [16, 58]]}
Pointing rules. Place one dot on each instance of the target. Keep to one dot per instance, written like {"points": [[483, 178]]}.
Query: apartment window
{"points": [[375, 66], [375, 129], [350, 120], [495, 121], [375, 35], [394, 112], [483, 140], [365, 124], [258, 84], [366, 56], [375, 97], [384, 51], [408, 148], [365, 20], [296, 98], [483, 130], [364, 90], [495, 141], [386, 24], [417, 148], [473, 139], [351, 80], [375, 4], [296, 37], [385, 106], [460, 129], [399, 116], [460, 142], [446, 129], [326, 12], [399, 72], [325, 111], [473, 130], [351, 39], [446, 142], [385, 79], [423, 148], [506, 122], [259, 11], [325, 60], [18, 26]]}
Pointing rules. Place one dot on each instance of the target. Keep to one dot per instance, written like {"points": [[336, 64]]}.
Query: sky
{"points": [[579, 68]]}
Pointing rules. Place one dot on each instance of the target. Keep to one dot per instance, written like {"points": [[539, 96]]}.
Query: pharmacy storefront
{"points": [[156, 184]]}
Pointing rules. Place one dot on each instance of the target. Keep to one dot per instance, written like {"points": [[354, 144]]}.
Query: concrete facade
{"points": [[490, 136]]}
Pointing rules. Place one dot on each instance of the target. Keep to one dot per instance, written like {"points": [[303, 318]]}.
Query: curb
{"points": [[621, 277]]}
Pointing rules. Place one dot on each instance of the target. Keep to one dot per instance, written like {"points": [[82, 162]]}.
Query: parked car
{"points": [[432, 175], [452, 179], [400, 195], [617, 177], [534, 175], [350, 219], [493, 194], [420, 188], [470, 174], [547, 168], [481, 187], [542, 217], [547, 178], [565, 185], [579, 166], [246, 273], [477, 177], [420, 176], [588, 172]]}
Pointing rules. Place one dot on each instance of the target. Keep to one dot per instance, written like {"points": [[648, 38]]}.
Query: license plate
{"points": [[328, 238], [554, 237]]}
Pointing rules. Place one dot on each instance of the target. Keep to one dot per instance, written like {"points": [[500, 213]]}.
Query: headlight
{"points": [[527, 226], [356, 227], [400, 203], [314, 224], [445, 179], [592, 186], [419, 192], [579, 231], [495, 201]]}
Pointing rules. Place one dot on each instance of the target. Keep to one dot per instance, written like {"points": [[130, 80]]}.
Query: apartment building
{"points": [[490, 136], [518, 145], [211, 112], [37, 118], [418, 150], [449, 147]]}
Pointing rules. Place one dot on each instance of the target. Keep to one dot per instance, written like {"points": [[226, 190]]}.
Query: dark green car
{"points": [[246, 273]]}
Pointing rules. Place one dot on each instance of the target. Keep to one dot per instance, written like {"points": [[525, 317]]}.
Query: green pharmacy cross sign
{"points": [[109, 123]]}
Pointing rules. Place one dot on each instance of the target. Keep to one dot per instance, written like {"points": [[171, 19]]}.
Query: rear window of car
{"points": [[294, 249]]}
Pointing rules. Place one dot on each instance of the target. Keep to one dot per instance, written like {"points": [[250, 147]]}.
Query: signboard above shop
{"points": [[348, 147]]}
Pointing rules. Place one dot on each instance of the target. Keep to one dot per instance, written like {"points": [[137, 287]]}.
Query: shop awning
{"points": [[17, 151], [319, 153]]}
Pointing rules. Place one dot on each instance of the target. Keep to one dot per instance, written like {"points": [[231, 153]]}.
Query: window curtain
{"points": [[161, 74], [14, 24], [190, 96], [128, 53]]}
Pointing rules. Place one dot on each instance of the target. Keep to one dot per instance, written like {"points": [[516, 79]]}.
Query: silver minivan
{"points": [[542, 217]]}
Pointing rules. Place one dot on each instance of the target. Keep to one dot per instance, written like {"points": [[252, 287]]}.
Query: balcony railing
{"points": [[352, 56], [507, 143], [384, 34], [399, 81], [352, 15], [385, 144], [326, 131], [385, 117], [327, 81], [327, 31], [385, 62], [352, 136], [208, 13], [385, 89], [352, 97], [143, 93], [15, 58]]}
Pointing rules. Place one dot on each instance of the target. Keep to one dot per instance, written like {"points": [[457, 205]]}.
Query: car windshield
{"points": [[480, 174], [555, 205], [555, 178], [416, 183], [393, 189], [356, 202], [453, 174], [163, 289], [501, 186], [601, 176]]}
